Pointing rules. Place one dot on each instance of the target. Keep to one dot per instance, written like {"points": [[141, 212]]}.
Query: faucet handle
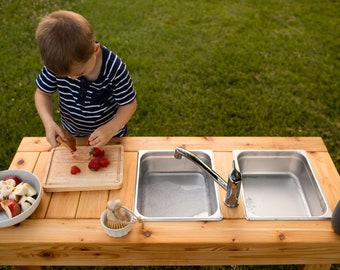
{"points": [[235, 175], [233, 188]]}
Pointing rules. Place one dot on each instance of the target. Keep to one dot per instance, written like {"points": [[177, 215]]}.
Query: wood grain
{"points": [[31, 144], [235, 242]]}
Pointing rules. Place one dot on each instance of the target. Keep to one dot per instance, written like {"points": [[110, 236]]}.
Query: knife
{"points": [[70, 142]]}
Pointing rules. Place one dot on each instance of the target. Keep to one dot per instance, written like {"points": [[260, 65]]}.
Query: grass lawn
{"points": [[201, 68]]}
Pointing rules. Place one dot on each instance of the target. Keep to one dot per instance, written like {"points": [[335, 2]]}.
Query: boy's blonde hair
{"points": [[64, 38]]}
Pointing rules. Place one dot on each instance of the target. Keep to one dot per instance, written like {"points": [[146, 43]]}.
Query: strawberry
{"points": [[97, 159], [94, 164], [103, 161], [97, 152], [75, 170]]}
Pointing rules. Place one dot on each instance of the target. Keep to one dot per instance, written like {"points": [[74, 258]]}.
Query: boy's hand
{"points": [[104, 134], [44, 105], [70, 142], [101, 136], [52, 132]]}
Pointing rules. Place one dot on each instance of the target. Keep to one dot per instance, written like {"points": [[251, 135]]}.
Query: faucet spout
{"points": [[179, 152], [232, 186]]}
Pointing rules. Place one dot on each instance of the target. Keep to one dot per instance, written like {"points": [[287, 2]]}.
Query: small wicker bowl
{"points": [[116, 232]]}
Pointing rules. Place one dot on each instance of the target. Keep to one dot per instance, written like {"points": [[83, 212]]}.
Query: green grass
{"points": [[201, 68]]}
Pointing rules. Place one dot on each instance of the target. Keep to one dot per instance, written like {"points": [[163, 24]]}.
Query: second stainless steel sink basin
{"points": [[169, 189], [280, 185]]}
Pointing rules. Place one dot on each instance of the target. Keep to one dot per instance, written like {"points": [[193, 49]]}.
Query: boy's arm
{"points": [[44, 106], [104, 133]]}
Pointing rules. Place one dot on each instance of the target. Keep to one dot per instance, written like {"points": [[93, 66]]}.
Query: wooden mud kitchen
{"points": [[65, 229]]}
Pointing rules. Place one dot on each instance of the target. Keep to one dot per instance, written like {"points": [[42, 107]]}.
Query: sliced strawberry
{"points": [[75, 170], [103, 161]]}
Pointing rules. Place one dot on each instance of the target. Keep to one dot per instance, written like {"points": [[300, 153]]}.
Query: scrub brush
{"points": [[118, 216]]}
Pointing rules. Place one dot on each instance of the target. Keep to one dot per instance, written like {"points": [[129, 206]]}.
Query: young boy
{"points": [[96, 94]]}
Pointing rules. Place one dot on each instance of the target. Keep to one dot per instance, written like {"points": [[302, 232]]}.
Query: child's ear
{"points": [[96, 48]]}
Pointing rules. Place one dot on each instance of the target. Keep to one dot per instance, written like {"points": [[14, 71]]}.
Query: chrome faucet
{"points": [[232, 187]]}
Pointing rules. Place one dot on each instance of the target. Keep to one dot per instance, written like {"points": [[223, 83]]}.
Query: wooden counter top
{"points": [[65, 228]]}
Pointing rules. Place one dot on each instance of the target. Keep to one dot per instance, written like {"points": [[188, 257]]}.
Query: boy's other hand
{"points": [[101, 136]]}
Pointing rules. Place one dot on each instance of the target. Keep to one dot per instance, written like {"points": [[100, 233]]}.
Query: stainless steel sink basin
{"points": [[280, 185], [169, 189]]}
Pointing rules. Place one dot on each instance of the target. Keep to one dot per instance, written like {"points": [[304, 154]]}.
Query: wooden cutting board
{"points": [[58, 176]]}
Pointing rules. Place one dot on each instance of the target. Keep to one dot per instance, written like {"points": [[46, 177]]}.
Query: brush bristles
{"points": [[113, 222], [116, 224]]}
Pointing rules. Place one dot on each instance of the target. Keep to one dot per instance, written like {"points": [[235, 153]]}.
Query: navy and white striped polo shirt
{"points": [[85, 105]]}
